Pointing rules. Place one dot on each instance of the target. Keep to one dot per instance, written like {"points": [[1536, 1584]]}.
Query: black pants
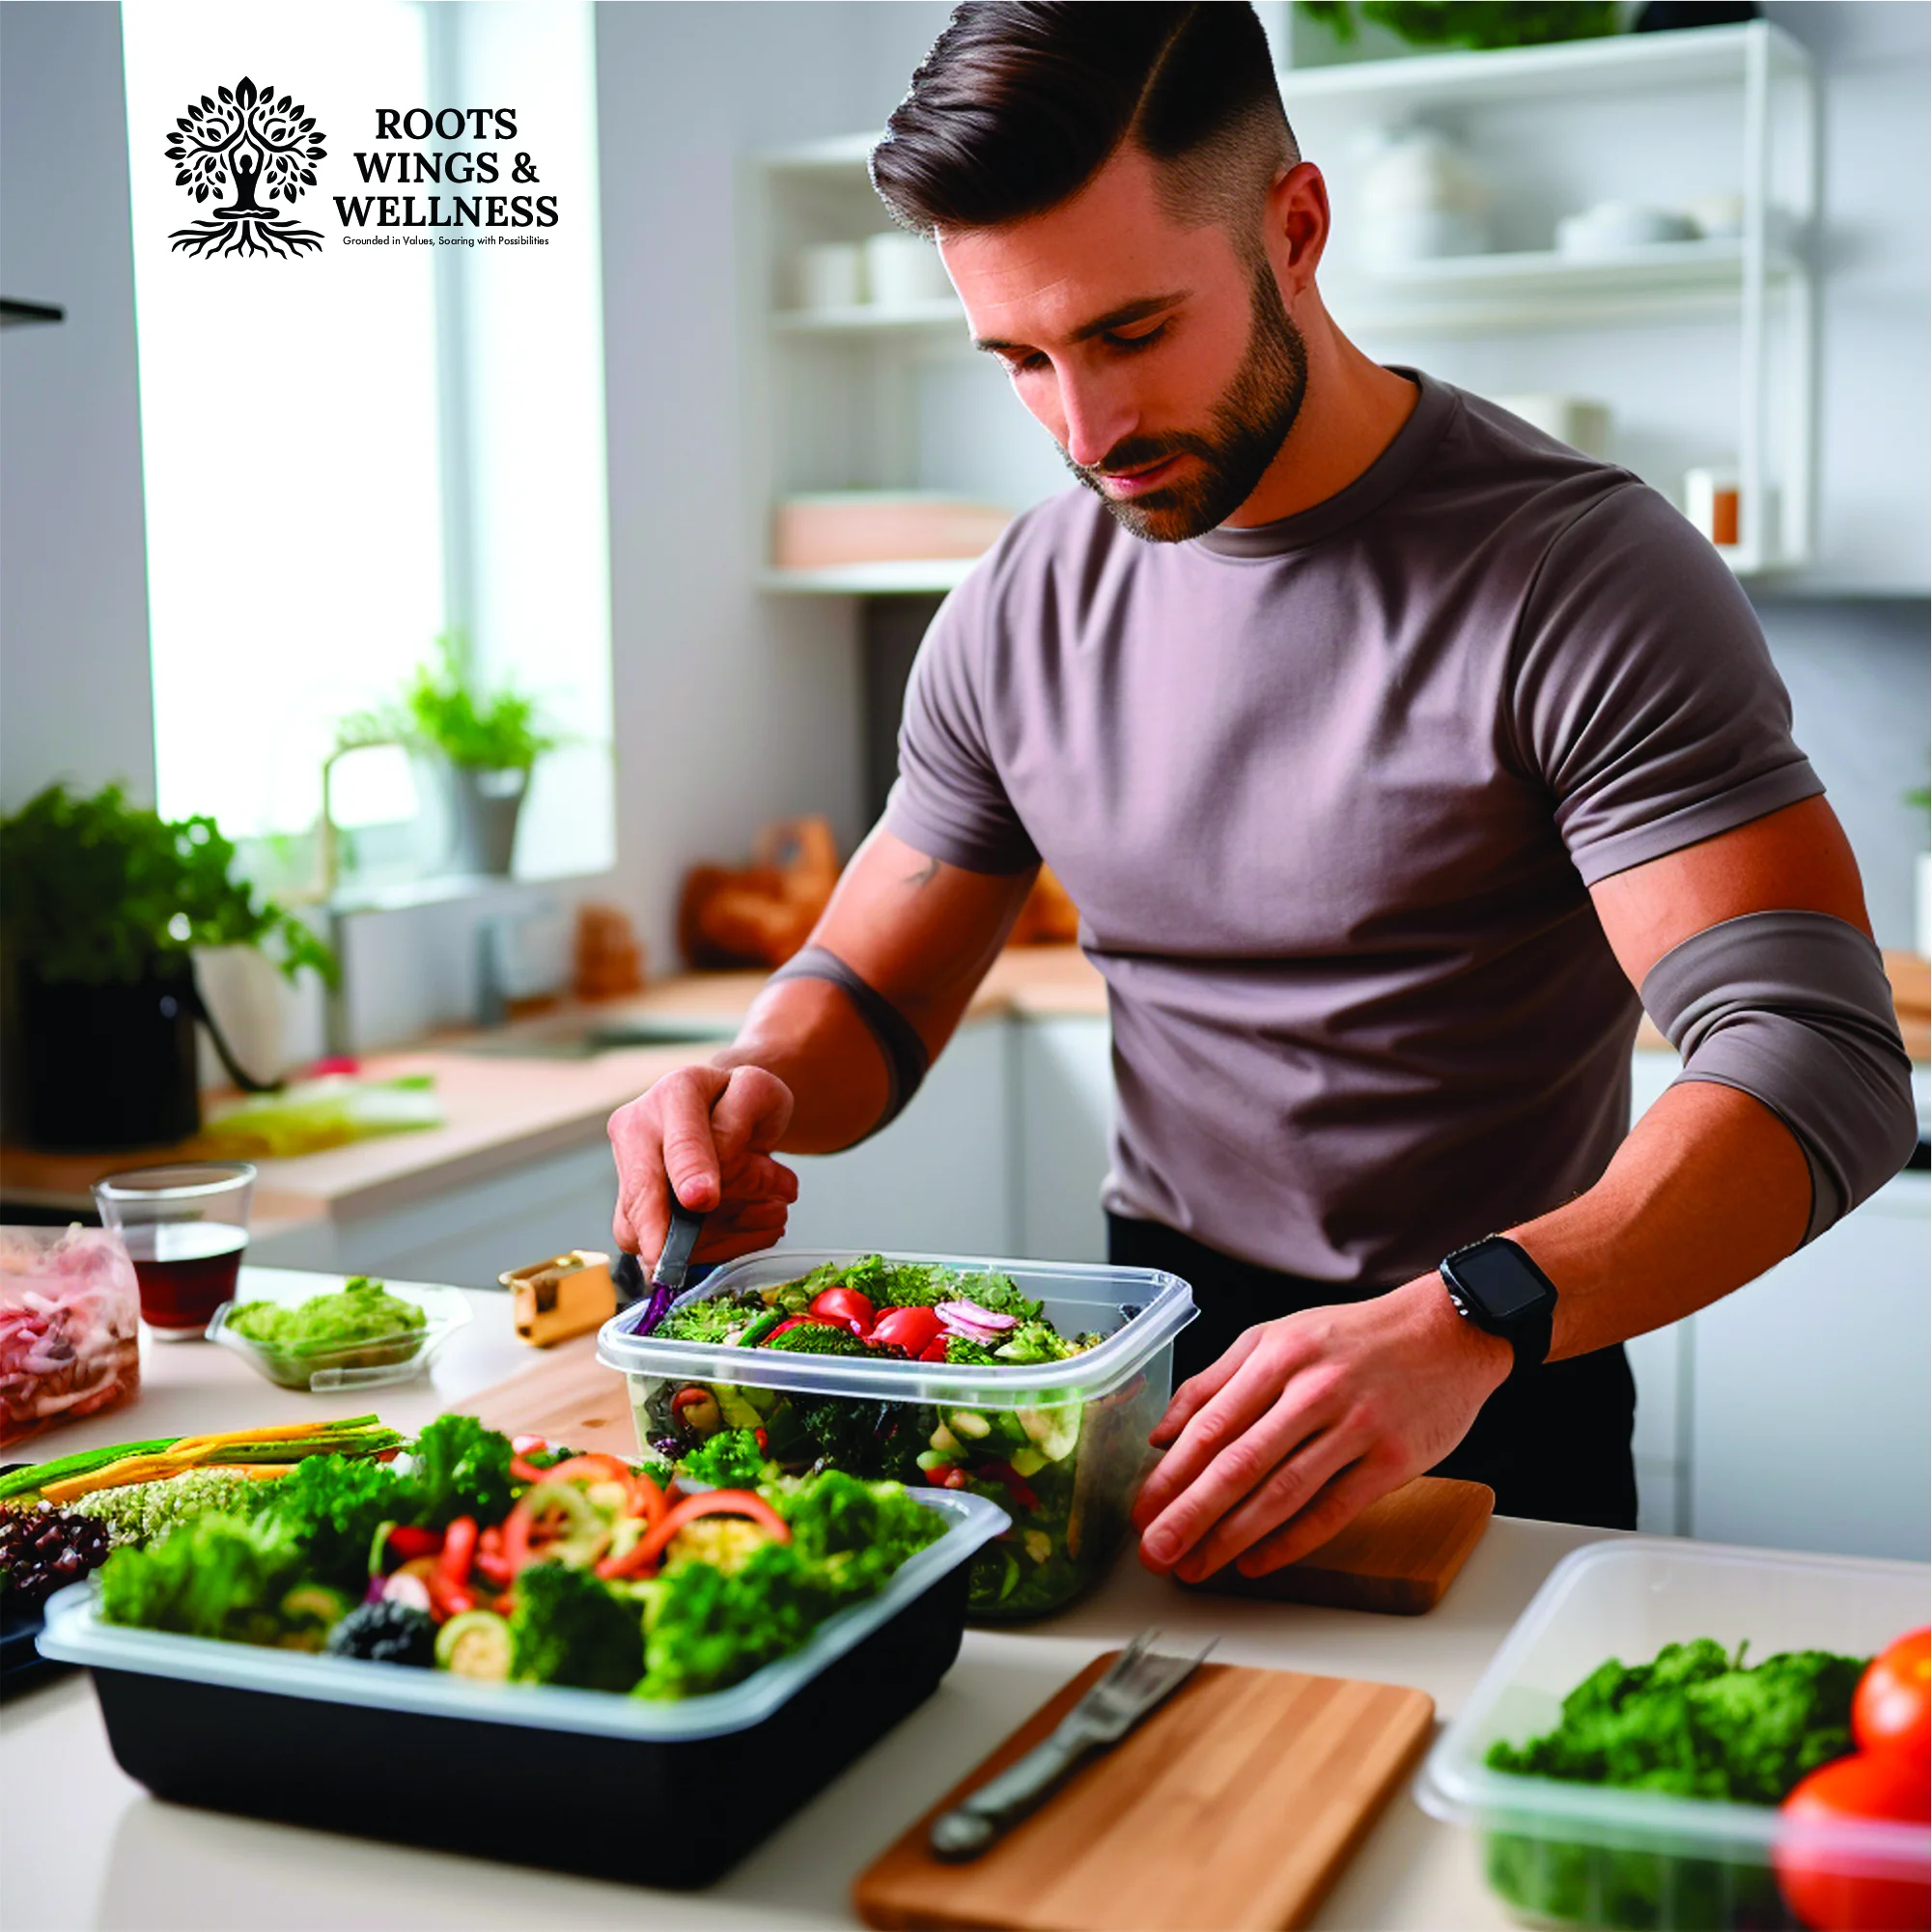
{"points": [[1556, 1447]]}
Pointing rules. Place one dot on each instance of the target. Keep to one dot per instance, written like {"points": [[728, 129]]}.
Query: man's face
{"points": [[1162, 362]]}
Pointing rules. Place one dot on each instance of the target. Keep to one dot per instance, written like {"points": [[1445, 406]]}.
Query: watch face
{"points": [[1497, 1282]]}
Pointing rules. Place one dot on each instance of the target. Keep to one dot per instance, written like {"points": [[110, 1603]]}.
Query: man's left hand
{"points": [[1304, 1422]]}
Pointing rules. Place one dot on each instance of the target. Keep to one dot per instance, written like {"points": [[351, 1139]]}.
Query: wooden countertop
{"points": [[503, 1110]]}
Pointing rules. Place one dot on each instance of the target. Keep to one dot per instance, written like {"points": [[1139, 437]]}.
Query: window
{"points": [[349, 451]]}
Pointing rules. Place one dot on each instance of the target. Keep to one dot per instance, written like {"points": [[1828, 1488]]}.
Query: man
{"points": [[1385, 746]]}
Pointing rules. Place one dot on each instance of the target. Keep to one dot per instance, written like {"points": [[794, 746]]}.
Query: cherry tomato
{"points": [[846, 1305], [1867, 1785], [934, 1350], [1893, 1710], [910, 1328]]}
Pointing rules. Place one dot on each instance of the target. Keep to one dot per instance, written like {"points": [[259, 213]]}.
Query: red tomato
{"points": [[1867, 1785], [909, 1329], [934, 1350], [844, 1304], [1893, 1710]]}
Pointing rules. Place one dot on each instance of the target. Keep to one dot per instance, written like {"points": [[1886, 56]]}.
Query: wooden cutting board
{"points": [[565, 1394], [1234, 1806], [1397, 1556]]}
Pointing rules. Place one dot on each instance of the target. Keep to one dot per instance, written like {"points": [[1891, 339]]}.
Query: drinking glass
{"points": [[184, 1227]]}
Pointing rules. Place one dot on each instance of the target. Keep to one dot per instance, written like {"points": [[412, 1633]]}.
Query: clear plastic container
{"points": [[70, 1328], [1558, 1852], [428, 1758], [373, 1362], [1061, 1446]]}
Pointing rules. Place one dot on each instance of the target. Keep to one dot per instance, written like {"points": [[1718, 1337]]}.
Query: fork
{"points": [[1141, 1679]]}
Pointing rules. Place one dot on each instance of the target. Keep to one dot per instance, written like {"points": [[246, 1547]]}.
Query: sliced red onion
{"points": [[970, 1320]]}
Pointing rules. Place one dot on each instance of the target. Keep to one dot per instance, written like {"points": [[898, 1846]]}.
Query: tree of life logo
{"points": [[245, 140]]}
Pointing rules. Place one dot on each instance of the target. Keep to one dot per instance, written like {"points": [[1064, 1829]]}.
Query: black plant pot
{"points": [[108, 1067]]}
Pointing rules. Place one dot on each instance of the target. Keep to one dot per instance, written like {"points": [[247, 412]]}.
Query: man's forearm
{"points": [[1708, 1192], [806, 1032]]}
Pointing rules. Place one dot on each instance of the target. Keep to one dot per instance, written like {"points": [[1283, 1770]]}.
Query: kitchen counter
{"points": [[89, 1847]]}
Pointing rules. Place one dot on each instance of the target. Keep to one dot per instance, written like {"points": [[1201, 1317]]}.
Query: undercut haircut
{"points": [[1019, 105]]}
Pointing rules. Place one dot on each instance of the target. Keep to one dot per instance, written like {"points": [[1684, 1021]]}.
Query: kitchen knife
{"points": [[667, 1278], [1139, 1682]]}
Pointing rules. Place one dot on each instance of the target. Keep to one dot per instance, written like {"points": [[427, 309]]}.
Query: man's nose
{"points": [[1098, 415]]}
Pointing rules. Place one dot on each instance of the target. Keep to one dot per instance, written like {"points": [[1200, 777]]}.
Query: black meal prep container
{"points": [[423, 1758]]}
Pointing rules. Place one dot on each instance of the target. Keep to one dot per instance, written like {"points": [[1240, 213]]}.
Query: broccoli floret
{"points": [[708, 1629], [859, 1531], [921, 1284], [569, 1629], [143, 1513], [715, 1319], [730, 1460], [461, 1469], [962, 1352], [1034, 1342], [330, 1507], [1695, 1722], [818, 1339]]}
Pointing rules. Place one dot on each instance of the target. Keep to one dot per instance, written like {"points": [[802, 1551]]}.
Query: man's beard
{"points": [[1246, 432]]}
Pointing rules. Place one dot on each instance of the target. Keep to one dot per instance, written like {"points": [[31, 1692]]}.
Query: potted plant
{"points": [[474, 749], [100, 905]]}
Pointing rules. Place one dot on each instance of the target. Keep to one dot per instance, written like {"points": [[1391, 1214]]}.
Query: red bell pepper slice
{"points": [[526, 1471], [409, 1542], [459, 1552], [716, 1502], [1021, 1490]]}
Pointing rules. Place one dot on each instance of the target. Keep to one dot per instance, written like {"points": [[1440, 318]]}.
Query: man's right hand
{"points": [[708, 1131]]}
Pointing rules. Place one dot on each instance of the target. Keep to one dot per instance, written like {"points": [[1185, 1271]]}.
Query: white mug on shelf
{"points": [[831, 275], [902, 271]]}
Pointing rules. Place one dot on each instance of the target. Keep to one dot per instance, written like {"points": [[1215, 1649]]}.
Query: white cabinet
{"points": [[1061, 1136], [939, 1180], [1809, 1425]]}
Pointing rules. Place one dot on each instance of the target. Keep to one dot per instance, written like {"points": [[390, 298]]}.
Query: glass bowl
{"points": [[370, 1362]]}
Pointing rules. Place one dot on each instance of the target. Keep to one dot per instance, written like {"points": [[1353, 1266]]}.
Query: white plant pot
{"points": [[248, 997]]}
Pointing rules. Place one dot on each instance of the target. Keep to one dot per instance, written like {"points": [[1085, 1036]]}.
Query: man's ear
{"points": [[1297, 226]]}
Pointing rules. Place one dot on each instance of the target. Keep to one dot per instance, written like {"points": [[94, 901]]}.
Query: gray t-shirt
{"points": [[1328, 793]]}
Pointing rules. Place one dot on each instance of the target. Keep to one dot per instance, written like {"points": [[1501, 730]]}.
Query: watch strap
{"points": [[1529, 1332]]}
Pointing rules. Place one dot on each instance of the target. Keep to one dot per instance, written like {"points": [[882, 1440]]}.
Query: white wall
{"points": [[733, 707], [73, 583]]}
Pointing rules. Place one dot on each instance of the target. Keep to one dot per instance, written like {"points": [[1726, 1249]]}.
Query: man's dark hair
{"points": [[1019, 105]]}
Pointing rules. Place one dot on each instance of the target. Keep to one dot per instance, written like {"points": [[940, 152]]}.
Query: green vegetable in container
{"points": [[1697, 1723], [461, 1468], [818, 1339], [331, 1506], [568, 1628], [143, 1513], [714, 1320], [220, 1576], [730, 1460], [361, 1312]]}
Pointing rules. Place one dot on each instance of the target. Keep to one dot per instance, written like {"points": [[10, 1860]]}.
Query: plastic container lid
{"points": [[372, 1362], [76, 1633], [1142, 1309], [1628, 1599]]}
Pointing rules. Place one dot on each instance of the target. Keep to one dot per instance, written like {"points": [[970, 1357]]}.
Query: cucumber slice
{"points": [[1053, 1431], [969, 1423], [475, 1644]]}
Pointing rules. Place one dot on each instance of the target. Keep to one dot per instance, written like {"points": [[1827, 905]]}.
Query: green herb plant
{"points": [[1468, 23], [445, 710], [94, 890]]}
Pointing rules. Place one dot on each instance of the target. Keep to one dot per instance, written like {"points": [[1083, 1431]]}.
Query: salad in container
{"points": [[331, 1624], [1030, 1385]]}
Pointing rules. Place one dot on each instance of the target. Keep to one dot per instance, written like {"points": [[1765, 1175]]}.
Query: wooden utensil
{"points": [[1233, 1805], [1397, 1556]]}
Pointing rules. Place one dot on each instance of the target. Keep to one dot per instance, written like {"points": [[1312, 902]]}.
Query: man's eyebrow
{"points": [[1120, 318]]}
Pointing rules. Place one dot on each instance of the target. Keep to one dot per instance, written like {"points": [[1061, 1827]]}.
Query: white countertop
{"points": [[87, 1846]]}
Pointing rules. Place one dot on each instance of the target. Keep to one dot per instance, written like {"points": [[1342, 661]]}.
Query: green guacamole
{"points": [[362, 1311]]}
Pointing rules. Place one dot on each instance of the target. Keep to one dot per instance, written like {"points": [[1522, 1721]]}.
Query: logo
{"points": [[244, 143]]}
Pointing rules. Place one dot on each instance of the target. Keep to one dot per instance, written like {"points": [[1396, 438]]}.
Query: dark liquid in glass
{"points": [[186, 1270]]}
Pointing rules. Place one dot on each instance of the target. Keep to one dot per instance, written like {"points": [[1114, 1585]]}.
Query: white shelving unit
{"points": [[1705, 351]]}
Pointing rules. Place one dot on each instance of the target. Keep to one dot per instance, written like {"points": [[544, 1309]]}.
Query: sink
{"points": [[579, 1040]]}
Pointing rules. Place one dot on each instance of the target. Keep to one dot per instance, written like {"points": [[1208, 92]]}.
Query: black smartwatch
{"points": [[1496, 1285]]}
